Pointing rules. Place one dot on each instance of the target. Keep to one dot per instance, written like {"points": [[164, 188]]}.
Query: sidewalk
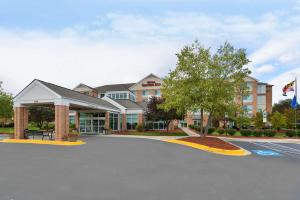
{"points": [[295, 141], [190, 132]]}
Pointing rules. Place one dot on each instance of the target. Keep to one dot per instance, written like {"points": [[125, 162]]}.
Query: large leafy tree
{"points": [[155, 113], [6, 104], [283, 105], [42, 116], [278, 120], [258, 120], [205, 80]]}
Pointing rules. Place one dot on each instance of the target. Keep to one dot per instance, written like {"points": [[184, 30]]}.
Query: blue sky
{"points": [[102, 42]]}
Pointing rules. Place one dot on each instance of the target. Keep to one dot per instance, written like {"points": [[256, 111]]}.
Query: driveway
{"points": [[140, 169]]}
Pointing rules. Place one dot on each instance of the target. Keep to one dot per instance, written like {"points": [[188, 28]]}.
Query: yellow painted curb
{"points": [[48, 142], [239, 152]]}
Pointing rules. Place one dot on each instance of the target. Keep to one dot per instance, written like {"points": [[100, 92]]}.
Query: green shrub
{"points": [[221, 131], [291, 133], [192, 126], [139, 128], [257, 133], [246, 132], [269, 133], [231, 131], [298, 133], [211, 130]]}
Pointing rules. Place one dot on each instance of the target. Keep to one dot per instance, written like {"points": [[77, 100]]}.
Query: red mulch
{"points": [[211, 142]]}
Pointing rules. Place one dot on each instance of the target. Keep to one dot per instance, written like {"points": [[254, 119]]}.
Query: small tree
{"points": [[278, 120], [6, 104], [242, 121], [41, 116], [155, 113], [258, 120]]}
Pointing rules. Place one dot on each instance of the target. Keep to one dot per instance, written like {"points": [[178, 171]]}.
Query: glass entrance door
{"points": [[91, 123]]}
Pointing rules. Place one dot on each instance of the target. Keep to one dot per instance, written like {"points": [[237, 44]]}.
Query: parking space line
{"points": [[279, 148]]}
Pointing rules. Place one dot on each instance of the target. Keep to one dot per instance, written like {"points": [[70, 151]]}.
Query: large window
{"points": [[118, 95], [158, 125], [132, 121], [261, 89], [157, 93], [248, 109], [145, 93], [248, 98], [261, 103], [113, 121], [249, 86]]}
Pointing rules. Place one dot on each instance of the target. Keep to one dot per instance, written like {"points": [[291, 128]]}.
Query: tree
{"points": [[282, 105], [290, 117], [242, 121], [202, 80], [258, 120], [6, 104], [278, 120], [155, 113], [41, 116]]}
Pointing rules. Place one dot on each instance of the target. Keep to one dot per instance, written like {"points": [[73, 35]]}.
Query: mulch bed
{"points": [[211, 142]]}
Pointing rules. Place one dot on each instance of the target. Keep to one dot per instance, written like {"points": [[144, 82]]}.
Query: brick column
{"points": [[61, 122], [106, 120], [26, 116], [20, 120], [77, 121], [124, 122], [140, 119]]}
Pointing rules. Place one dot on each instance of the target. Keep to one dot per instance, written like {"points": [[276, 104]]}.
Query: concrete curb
{"points": [[47, 142], [239, 152]]}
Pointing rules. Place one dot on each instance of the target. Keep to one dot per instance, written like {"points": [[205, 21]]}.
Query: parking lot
{"points": [[279, 150], [134, 169]]}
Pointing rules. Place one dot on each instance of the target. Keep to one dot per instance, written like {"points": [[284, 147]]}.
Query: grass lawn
{"points": [[155, 133], [6, 130]]}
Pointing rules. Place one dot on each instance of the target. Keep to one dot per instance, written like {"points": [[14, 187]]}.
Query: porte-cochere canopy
{"points": [[41, 93]]}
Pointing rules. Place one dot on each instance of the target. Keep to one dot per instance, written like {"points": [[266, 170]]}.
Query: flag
{"points": [[294, 102], [288, 88]]}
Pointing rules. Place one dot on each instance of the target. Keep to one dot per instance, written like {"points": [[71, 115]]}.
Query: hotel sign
{"points": [[151, 83]]}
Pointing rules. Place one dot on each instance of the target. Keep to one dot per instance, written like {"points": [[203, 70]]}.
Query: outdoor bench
{"points": [[42, 133]]}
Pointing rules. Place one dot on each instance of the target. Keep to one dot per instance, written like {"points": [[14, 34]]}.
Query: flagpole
{"points": [[296, 101]]}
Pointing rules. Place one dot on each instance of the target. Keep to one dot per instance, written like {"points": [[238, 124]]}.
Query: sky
{"points": [[99, 42]]}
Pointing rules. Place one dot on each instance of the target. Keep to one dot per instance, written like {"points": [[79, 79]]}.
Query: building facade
{"points": [[119, 107]]}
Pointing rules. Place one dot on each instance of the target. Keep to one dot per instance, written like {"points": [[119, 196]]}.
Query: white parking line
{"points": [[279, 148]]}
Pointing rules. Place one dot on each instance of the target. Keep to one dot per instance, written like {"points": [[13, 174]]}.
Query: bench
{"points": [[34, 133]]}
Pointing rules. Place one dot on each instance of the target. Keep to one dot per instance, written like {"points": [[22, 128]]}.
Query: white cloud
{"points": [[118, 47], [265, 69]]}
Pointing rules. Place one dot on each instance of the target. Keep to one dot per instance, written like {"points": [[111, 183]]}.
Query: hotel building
{"points": [[118, 107]]}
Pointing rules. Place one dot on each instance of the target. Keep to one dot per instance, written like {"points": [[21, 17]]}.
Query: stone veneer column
{"points": [[106, 120], [61, 122], [124, 122], [20, 120], [77, 117], [140, 119]]}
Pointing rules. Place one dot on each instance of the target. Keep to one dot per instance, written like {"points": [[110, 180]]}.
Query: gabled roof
{"points": [[83, 85], [114, 87], [131, 105], [150, 75], [71, 94]]}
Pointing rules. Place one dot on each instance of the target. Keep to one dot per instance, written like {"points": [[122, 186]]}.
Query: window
{"points": [[248, 109], [113, 121], [248, 98], [157, 93], [261, 99], [145, 93], [102, 95], [113, 96], [261, 89], [132, 121], [249, 86]]}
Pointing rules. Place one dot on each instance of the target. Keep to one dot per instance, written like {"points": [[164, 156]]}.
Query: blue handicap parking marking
{"points": [[266, 153]]}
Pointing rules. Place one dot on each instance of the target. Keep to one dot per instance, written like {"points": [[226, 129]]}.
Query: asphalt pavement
{"points": [[141, 169]]}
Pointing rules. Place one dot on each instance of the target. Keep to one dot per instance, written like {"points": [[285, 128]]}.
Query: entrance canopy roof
{"points": [[43, 93]]}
